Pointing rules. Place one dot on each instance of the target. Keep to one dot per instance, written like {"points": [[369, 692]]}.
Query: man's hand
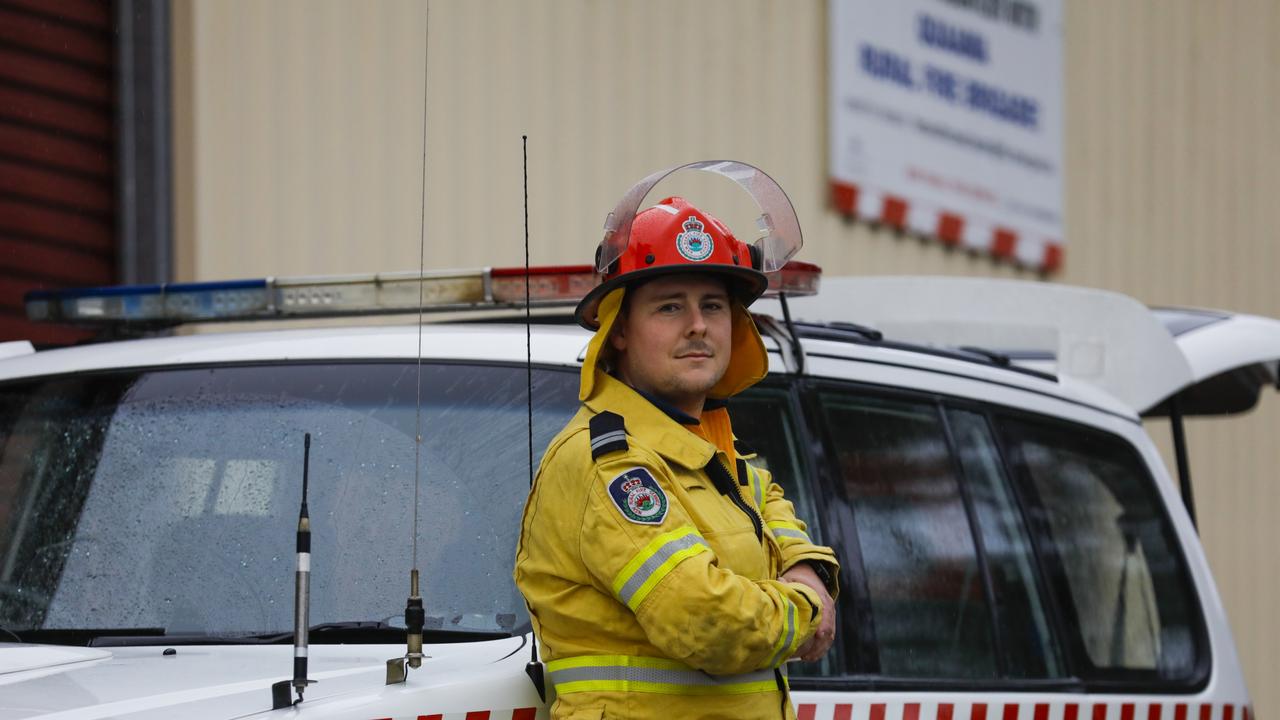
{"points": [[817, 645]]}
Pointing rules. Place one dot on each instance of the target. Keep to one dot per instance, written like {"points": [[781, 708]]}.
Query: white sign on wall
{"points": [[946, 119]]}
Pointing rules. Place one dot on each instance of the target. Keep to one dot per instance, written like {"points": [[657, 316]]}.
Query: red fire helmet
{"points": [[676, 237]]}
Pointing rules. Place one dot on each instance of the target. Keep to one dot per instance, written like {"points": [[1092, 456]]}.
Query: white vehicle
{"points": [[1012, 547]]}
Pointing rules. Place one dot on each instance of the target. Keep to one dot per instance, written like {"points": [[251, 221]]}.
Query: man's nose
{"points": [[697, 322]]}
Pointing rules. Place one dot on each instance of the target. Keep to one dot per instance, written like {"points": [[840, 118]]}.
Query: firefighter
{"points": [[666, 576]]}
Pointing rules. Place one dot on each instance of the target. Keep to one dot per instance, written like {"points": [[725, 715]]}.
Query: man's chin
{"points": [[696, 387]]}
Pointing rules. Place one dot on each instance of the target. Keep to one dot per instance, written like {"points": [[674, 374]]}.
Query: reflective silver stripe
{"points": [[662, 676], [655, 561], [787, 639], [781, 532], [608, 438]]}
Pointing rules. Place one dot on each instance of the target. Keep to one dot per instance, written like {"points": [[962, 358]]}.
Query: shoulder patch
{"points": [[638, 497], [608, 434]]}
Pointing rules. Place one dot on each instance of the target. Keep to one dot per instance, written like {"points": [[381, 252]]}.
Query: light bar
{"points": [[342, 295], [796, 279]]}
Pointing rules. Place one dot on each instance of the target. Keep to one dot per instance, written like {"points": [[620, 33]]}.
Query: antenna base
{"points": [[396, 672], [282, 694], [535, 671], [398, 668]]}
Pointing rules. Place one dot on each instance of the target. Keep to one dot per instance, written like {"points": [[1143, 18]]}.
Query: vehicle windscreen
{"points": [[169, 498]]}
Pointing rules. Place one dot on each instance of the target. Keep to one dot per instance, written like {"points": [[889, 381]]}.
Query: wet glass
{"points": [[1119, 578], [764, 419], [929, 609], [169, 499], [1028, 641]]}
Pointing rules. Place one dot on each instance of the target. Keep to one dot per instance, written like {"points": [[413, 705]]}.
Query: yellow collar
{"points": [[651, 427]]}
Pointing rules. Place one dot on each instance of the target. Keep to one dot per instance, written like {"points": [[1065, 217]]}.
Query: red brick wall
{"points": [[57, 163]]}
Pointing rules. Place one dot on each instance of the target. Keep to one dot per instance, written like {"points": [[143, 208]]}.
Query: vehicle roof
{"points": [[552, 344], [1109, 340]]}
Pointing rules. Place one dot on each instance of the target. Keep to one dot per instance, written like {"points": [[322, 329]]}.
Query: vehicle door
{"points": [[1232, 358], [996, 562]]}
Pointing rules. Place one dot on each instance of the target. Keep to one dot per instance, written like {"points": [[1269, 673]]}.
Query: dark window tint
{"points": [[923, 581], [764, 418], [1024, 623], [1117, 574]]}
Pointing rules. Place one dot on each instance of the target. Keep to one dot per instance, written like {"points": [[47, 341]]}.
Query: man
{"points": [[665, 575]]}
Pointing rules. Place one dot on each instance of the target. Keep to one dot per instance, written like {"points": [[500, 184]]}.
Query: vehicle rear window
{"points": [[1119, 578], [169, 499]]}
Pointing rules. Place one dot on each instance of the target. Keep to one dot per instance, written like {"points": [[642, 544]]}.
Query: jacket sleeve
{"points": [[791, 532], [689, 607]]}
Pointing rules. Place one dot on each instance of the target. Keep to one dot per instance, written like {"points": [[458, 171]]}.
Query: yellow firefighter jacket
{"points": [[650, 560]]}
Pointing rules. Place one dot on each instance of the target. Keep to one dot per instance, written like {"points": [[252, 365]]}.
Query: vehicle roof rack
{"points": [[1100, 337], [863, 335]]}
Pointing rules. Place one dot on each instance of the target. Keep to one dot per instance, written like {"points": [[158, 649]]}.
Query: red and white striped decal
{"points": [[1023, 711], [950, 228], [516, 714], [953, 711]]}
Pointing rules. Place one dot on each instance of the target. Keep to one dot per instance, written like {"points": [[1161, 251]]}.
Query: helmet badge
{"points": [[694, 244]]}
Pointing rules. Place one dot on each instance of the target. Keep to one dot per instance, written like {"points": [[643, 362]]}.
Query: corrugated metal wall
{"points": [[300, 133], [57, 169]]}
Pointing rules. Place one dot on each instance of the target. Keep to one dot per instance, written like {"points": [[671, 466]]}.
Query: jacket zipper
{"points": [[723, 480]]}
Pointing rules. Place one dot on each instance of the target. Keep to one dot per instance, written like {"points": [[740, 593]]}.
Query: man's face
{"points": [[674, 339]]}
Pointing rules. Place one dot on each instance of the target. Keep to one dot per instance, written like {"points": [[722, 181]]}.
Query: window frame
{"points": [[859, 646], [1100, 680], [835, 531], [855, 597]]}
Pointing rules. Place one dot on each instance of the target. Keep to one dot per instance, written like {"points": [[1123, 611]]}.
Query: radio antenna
{"points": [[414, 612], [534, 668], [301, 598], [528, 333]]}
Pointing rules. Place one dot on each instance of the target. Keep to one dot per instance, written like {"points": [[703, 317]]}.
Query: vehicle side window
{"points": [[1120, 582], [930, 612], [1024, 623], [763, 417]]}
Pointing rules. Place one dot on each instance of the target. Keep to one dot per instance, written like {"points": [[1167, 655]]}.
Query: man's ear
{"points": [[617, 337]]}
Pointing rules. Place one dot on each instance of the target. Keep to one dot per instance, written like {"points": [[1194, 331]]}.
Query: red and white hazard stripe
{"points": [[527, 713], [952, 711], [950, 228], [1023, 711]]}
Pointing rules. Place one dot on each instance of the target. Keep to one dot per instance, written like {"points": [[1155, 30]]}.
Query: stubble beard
{"points": [[690, 386]]}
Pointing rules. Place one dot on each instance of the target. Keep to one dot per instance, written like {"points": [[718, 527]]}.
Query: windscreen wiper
{"points": [[360, 632], [80, 636], [380, 631]]}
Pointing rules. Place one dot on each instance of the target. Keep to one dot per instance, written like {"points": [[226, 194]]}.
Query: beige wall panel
{"points": [[300, 140], [1171, 197], [307, 128]]}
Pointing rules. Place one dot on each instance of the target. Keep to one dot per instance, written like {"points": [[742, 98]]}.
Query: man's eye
{"points": [[713, 306], [669, 308]]}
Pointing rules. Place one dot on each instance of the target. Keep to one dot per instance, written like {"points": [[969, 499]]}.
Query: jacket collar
{"points": [[650, 426], [668, 409]]}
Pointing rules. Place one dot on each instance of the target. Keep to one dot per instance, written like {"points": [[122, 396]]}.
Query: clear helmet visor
{"points": [[778, 222]]}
